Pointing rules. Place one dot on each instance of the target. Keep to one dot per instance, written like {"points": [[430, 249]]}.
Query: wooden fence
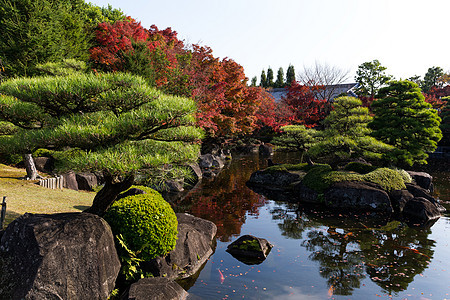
{"points": [[52, 183]]}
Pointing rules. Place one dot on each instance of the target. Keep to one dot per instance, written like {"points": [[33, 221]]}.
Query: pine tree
{"points": [[290, 75], [263, 82], [269, 82], [113, 123], [404, 120], [280, 78], [346, 135]]}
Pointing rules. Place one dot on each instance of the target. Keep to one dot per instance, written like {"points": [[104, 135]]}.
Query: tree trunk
{"points": [[108, 194], [30, 166], [309, 161]]}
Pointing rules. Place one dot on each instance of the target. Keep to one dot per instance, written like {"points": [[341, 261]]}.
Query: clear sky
{"points": [[406, 36]]}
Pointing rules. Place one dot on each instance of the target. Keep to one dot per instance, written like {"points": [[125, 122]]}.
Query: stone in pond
{"points": [[249, 249]]}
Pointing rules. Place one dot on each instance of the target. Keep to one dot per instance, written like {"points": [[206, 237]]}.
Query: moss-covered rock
{"points": [[147, 223]]}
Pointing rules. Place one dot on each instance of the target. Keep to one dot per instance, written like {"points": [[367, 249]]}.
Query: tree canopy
{"points": [[346, 135], [404, 120], [112, 123], [36, 32], [371, 76]]}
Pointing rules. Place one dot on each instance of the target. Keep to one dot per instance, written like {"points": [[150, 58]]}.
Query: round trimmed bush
{"points": [[147, 223]]}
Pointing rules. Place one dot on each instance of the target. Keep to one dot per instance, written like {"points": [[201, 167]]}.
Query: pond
{"points": [[315, 255]]}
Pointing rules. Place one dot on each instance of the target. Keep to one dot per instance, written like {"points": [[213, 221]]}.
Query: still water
{"points": [[315, 255]]}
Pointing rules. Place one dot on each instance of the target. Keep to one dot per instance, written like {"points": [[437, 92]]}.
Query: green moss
{"points": [[321, 177], [249, 245], [147, 223], [387, 178]]}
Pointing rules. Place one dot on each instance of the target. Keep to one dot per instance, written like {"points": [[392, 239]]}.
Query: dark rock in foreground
{"points": [[250, 249], [420, 210], [58, 256], [156, 289], [358, 196], [193, 248]]}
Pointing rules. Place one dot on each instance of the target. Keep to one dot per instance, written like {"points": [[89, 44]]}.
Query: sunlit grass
{"points": [[26, 196]]}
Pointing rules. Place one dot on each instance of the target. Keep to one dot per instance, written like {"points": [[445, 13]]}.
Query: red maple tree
{"points": [[306, 109]]}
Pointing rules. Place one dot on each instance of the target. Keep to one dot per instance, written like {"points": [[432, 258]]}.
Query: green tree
{"points": [[296, 138], [346, 135], [40, 31], [269, 81], [371, 76], [290, 75], [280, 78], [254, 80], [263, 82], [431, 78], [404, 120], [112, 123]]}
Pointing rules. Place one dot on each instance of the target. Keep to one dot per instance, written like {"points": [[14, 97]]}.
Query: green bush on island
{"points": [[146, 222], [322, 177]]}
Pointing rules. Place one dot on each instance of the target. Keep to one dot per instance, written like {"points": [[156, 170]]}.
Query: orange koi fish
{"points": [[222, 278]]}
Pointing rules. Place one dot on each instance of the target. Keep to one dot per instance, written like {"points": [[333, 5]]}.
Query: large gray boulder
{"points": [[422, 179], [305, 194], [193, 248], [44, 164], [58, 256], [156, 289], [420, 210], [70, 180], [86, 181], [399, 198], [358, 196], [275, 179], [208, 161]]}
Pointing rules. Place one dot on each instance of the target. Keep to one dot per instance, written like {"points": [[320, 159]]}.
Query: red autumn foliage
{"points": [[437, 103], [226, 105], [306, 109], [112, 39]]}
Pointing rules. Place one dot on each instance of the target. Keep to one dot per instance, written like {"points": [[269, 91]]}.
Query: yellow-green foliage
{"points": [[321, 177], [387, 178], [146, 222], [359, 167]]}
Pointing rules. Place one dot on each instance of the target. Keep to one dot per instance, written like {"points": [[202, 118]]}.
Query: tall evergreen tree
{"points": [[263, 82], [39, 31], [404, 120], [290, 75], [270, 82], [371, 76], [431, 78], [254, 79], [280, 78]]}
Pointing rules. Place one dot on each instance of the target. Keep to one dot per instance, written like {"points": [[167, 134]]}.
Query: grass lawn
{"points": [[26, 196]]}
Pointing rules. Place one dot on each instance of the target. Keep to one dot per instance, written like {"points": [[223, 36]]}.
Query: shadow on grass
{"points": [[9, 217], [81, 207]]}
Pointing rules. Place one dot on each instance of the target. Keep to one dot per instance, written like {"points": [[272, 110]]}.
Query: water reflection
{"points": [[350, 248], [226, 200]]}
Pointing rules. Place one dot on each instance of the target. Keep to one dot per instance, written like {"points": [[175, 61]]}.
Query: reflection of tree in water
{"points": [[394, 257], [339, 257], [226, 200], [350, 248]]}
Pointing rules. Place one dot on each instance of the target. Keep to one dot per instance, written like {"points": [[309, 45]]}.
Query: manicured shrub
{"points": [[314, 179], [146, 222], [360, 168]]}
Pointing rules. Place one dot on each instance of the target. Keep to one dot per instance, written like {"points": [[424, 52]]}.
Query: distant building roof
{"points": [[332, 91]]}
